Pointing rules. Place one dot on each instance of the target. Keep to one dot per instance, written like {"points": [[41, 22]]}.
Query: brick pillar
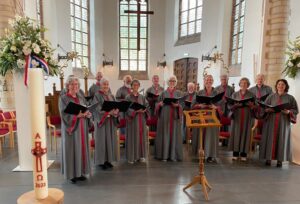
{"points": [[8, 10], [275, 35]]}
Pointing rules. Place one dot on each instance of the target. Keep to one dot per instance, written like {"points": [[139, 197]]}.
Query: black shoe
{"points": [[81, 178], [268, 162], [103, 166], [108, 164], [209, 160], [279, 164], [73, 180]]}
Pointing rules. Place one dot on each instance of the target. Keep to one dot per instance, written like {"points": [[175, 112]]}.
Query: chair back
{"points": [[7, 115], [55, 120], [122, 123], [151, 121]]}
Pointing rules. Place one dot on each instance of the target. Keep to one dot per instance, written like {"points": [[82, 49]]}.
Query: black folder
{"points": [[244, 102], [88, 98], [152, 95], [187, 103], [110, 105], [169, 101], [74, 108], [277, 108], [137, 106], [209, 99], [263, 98]]}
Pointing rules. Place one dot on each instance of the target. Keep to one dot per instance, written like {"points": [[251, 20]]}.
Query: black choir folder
{"points": [[244, 102], [209, 99], [74, 108], [121, 105], [277, 108], [152, 95], [137, 106], [169, 101], [188, 103], [263, 98]]}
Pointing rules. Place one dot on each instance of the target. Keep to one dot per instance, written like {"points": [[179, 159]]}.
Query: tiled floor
{"points": [[158, 182]]}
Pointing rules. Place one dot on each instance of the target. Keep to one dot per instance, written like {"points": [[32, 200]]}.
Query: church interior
{"points": [[184, 39]]}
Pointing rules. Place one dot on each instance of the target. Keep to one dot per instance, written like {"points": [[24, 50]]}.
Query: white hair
{"points": [[172, 77], [103, 80], [191, 83], [126, 76], [70, 79], [224, 75]]}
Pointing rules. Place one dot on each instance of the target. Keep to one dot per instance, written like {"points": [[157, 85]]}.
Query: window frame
{"points": [[73, 18], [196, 36], [139, 74], [233, 49], [40, 15]]}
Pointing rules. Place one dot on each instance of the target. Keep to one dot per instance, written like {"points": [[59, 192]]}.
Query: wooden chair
{"points": [[54, 123], [3, 132], [256, 134], [151, 134], [224, 135]]}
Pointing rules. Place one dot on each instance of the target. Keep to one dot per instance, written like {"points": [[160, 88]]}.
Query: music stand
{"points": [[201, 119]]}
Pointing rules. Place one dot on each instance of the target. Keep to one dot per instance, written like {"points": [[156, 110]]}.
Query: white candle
{"points": [[38, 132]]}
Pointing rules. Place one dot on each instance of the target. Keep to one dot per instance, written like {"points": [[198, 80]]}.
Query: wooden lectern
{"points": [[201, 119]]}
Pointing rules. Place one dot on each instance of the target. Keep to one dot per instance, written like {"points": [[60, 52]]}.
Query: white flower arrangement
{"points": [[23, 38], [292, 64]]}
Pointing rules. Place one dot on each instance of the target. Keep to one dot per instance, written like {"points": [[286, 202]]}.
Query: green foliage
{"points": [[21, 39], [292, 64]]}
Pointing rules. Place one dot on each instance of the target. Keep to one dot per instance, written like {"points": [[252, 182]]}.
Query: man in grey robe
{"points": [[224, 87], [155, 89], [96, 86], [136, 142], [106, 143], [168, 141], [276, 135], [75, 163], [260, 89]]}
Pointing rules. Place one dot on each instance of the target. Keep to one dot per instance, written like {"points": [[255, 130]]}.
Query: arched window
{"points": [[237, 32], [80, 34], [132, 60]]}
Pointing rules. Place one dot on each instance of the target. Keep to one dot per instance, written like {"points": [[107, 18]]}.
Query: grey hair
{"points": [[208, 75], [124, 78], [172, 77], [191, 83], [260, 75], [103, 79], [70, 79], [224, 75]]}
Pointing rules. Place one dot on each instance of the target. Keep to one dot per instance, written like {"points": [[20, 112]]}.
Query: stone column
{"points": [[275, 36], [8, 10]]}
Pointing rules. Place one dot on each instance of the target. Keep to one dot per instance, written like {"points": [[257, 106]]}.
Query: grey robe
{"points": [[94, 89], [210, 135], [136, 142], [188, 97], [122, 93], [75, 148], [259, 92], [228, 92], [106, 143], [276, 135], [168, 141], [241, 124]]}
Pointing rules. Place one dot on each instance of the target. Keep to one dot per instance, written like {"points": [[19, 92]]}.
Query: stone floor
{"points": [[161, 183]]}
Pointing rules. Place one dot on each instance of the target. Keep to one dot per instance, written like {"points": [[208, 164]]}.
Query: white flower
{"points": [[27, 43], [13, 48], [34, 63], [18, 18], [11, 22], [26, 50], [21, 63], [37, 50], [298, 65], [290, 64]]}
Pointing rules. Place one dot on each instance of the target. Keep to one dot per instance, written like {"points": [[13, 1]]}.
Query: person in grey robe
{"points": [[96, 87], [155, 89], [242, 120], [188, 97], [168, 141], [75, 163], [260, 89], [211, 134], [276, 135], [106, 143], [224, 87], [136, 142]]}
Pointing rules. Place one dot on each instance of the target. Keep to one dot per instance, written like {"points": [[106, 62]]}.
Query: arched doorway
{"points": [[186, 70]]}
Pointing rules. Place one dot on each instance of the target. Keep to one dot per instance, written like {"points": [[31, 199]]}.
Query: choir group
{"points": [[244, 108]]}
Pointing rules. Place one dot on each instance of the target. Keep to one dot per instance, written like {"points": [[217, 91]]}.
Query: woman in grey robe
{"points": [[105, 123], [168, 141], [136, 142], [75, 163], [242, 120], [211, 134], [276, 135]]}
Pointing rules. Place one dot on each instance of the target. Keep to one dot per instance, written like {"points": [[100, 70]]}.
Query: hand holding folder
{"points": [[276, 109], [75, 108]]}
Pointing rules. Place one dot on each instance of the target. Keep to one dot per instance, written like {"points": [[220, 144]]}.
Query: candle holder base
{"points": [[55, 196]]}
